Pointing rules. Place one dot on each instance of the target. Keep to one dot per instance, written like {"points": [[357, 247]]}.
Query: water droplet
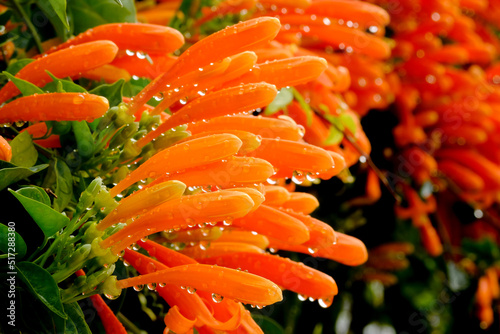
{"points": [[152, 286], [325, 302], [190, 290], [111, 297], [139, 287], [217, 298], [79, 99]]}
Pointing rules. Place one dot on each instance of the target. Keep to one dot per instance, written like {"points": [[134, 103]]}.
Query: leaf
{"points": [[10, 173], [42, 286], [113, 92], [48, 219], [134, 86], [334, 136], [59, 8], [284, 98], [26, 88], [15, 66], [90, 13], [24, 153], [55, 11], [76, 319], [68, 86], [20, 247], [36, 193], [64, 185]]}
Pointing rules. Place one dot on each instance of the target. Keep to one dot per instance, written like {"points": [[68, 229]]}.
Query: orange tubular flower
{"points": [[210, 187]]}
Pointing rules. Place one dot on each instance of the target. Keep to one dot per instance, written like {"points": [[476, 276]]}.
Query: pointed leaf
{"points": [[48, 219], [36, 193], [24, 153], [113, 92], [10, 173], [64, 185], [26, 87], [76, 319], [41, 284], [19, 248]]}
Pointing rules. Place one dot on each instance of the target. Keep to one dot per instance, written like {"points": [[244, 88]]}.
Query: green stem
{"points": [[48, 252], [29, 24], [75, 299], [129, 324]]}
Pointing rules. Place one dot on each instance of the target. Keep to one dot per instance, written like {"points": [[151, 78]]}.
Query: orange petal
{"points": [[190, 305], [176, 322], [141, 201], [228, 283], [233, 235], [272, 222], [276, 196], [288, 156], [54, 107], [249, 140], [181, 213], [244, 36], [204, 250], [321, 235], [348, 250], [231, 170], [286, 273], [301, 202], [284, 128], [181, 156], [232, 100], [286, 72]]}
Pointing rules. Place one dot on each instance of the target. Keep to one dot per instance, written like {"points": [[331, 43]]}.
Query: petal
{"points": [[227, 101], [290, 275], [228, 283], [140, 201], [301, 202], [184, 212], [276, 196], [204, 250], [229, 171], [264, 127], [181, 156], [288, 156], [274, 223]]}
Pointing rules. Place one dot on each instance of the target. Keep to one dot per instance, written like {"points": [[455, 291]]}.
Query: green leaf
{"points": [[284, 98], [42, 286], [10, 173], [334, 136], [24, 153], [36, 193], [90, 13], [68, 86], [58, 8], [268, 325], [26, 88], [48, 219], [134, 86], [15, 66], [76, 319], [113, 92], [20, 246], [64, 185], [55, 11]]}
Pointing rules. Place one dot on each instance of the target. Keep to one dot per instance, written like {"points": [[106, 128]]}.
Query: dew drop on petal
{"points": [[217, 298], [138, 287], [190, 290]]}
